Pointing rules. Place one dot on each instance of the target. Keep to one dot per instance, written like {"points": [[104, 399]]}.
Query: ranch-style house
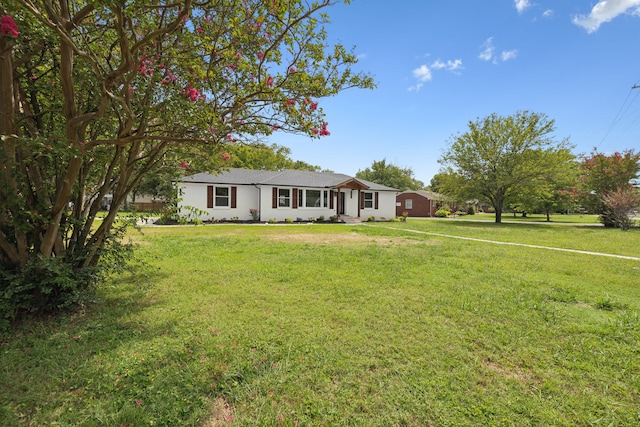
{"points": [[278, 195]]}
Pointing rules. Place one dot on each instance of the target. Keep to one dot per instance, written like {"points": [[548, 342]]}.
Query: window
{"points": [[313, 198], [222, 197], [284, 197], [368, 200], [408, 204]]}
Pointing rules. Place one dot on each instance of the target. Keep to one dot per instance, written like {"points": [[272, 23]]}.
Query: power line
{"points": [[624, 107]]}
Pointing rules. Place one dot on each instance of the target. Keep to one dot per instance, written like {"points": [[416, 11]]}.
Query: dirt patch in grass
{"points": [[513, 372], [341, 239], [221, 414]]}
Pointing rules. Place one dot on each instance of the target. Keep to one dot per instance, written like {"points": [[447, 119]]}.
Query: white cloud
{"points": [[605, 11], [488, 52], [450, 65], [488, 49], [423, 73], [547, 13], [522, 5], [508, 54]]}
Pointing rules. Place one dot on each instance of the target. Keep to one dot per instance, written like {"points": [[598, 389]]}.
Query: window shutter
{"points": [[234, 194], [362, 200], [376, 200], [274, 197], [294, 197], [209, 196], [331, 193]]}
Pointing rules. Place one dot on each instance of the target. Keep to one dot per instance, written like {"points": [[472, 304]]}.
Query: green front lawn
{"points": [[343, 325]]}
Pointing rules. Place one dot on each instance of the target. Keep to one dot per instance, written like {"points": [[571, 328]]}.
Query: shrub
{"points": [[288, 220], [442, 213], [311, 219], [321, 218], [371, 218], [234, 219], [49, 284], [471, 210], [333, 218], [272, 220]]}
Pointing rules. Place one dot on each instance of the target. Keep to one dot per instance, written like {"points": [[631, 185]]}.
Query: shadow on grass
{"points": [[90, 365]]}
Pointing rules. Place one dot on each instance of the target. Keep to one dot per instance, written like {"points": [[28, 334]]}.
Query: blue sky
{"points": [[439, 64]]}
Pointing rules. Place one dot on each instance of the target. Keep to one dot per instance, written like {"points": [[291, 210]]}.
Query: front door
{"points": [[343, 202]]}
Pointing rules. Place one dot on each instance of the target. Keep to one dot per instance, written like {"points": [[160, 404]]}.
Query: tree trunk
{"points": [[17, 253], [498, 207]]}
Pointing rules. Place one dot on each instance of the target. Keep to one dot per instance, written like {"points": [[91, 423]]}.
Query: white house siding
{"points": [[195, 195], [267, 212], [386, 206], [260, 196]]}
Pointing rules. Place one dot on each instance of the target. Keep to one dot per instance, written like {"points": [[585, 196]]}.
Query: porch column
{"points": [[338, 202]]}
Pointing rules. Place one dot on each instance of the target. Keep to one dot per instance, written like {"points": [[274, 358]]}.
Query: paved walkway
{"points": [[511, 243]]}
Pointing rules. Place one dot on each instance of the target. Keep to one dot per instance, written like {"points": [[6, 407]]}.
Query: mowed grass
{"points": [[554, 219], [335, 325]]}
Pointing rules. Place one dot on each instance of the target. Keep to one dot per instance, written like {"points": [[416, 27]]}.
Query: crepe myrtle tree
{"points": [[603, 175], [95, 95]]}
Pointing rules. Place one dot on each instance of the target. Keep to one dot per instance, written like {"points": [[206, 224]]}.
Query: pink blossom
{"points": [[260, 55], [269, 81], [238, 56], [225, 156], [199, 29], [184, 165], [291, 102], [323, 131], [138, 402], [292, 70], [212, 130], [8, 27], [208, 20], [169, 78], [313, 106], [192, 93]]}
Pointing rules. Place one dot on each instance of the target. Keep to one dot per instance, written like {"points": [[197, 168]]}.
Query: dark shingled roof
{"points": [[426, 194], [296, 178]]}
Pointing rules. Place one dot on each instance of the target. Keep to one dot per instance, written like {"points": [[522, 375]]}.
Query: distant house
{"points": [[418, 203], [285, 194]]}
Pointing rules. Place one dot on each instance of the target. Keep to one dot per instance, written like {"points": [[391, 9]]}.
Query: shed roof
{"points": [[426, 194]]}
